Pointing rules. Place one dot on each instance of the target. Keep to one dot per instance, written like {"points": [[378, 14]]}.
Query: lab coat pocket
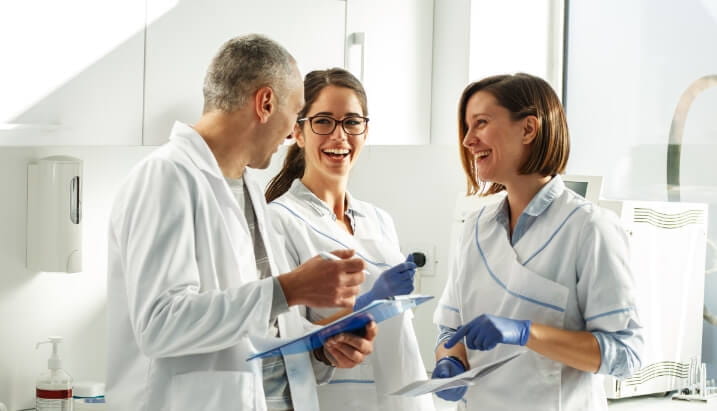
{"points": [[212, 390]]}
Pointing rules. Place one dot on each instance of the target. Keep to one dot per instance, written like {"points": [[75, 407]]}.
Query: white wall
{"points": [[417, 186], [531, 43], [34, 306], [451, 45]]}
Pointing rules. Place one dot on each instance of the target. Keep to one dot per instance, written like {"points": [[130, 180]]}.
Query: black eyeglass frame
{"points": [[336, 123]]}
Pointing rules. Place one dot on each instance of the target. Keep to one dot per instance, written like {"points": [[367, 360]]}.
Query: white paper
{"points": [[467, 378]]}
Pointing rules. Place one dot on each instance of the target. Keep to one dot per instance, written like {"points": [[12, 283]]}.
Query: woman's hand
{"points": [[486, 331]]}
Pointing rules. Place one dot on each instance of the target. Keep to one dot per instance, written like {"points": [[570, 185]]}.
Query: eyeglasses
{"points": [[325, 125]]}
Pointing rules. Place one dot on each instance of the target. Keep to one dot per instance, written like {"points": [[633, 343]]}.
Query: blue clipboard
{"points": [[377, 311]]}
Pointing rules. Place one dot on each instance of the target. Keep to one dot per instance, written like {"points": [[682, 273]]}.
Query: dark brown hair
{"points": [[523, 95], [314, 82]]}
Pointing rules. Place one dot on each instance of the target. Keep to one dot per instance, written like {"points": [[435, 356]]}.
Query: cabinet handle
{"points": [[356, 39]]}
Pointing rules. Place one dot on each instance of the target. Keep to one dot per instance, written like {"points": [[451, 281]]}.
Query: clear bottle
{"points": [[53, 391]]}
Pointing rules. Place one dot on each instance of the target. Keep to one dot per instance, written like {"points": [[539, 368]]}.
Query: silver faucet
{"points": [[677, 128]]}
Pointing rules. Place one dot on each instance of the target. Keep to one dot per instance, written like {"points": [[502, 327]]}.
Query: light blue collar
{"points": [[537, 206], [544, 198]]}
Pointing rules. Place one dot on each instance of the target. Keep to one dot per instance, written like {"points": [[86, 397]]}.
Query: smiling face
{"points": [[496, 143], [330, 157]]}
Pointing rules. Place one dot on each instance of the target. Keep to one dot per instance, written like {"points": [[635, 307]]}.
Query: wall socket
{"points": [[427, 249]]}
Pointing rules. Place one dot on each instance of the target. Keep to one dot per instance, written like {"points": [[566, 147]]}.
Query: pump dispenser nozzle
{"points": [[54, 386], [54, 362]]}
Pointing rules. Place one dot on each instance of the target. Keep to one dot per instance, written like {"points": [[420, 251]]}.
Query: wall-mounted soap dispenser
{"points": [[54, 214]]}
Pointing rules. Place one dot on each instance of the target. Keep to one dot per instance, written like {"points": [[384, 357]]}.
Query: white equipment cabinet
{"points": [[668, 246]]}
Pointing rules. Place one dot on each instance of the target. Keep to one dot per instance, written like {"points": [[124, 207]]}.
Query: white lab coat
{"points": [[570, 270], [184, 296], [308, 227]]}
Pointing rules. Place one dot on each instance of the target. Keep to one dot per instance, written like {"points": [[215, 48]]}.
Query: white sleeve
{"points": [[154, 248], [605, 284]]}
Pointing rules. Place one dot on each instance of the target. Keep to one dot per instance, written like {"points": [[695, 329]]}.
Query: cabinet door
{"points": [[183, 37], [397, 64], [71, 72]]}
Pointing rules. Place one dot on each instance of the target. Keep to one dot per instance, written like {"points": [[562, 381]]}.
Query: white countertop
{"points": [[627, 404], [660, 403]]}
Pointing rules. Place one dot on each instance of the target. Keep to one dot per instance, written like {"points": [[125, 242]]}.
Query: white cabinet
{"points": [[71, 72], [397, 55], [183, 37], [397, 60], [82, 72]]}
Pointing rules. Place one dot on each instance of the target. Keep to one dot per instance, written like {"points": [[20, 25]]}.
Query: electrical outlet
{"points": [[428, 252]]}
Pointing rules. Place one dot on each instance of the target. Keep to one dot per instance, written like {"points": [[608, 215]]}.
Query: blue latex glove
{"points": [[448, 367], [397, 280], [486, 331]]}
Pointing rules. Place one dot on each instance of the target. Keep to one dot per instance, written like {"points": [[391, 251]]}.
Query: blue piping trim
{"points": [[352, 382], [377, 264], [495, 278], [448, 307], [554, 233], [605, 314]]}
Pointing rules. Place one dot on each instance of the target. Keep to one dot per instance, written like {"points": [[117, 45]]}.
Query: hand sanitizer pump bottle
{"points": [[54, 387]]}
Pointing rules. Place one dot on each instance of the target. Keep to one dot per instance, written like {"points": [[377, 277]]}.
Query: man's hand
{"points": [[348, 350], [325, 283]]}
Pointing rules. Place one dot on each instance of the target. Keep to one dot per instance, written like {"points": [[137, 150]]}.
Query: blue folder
{"points": [[377, 311]]}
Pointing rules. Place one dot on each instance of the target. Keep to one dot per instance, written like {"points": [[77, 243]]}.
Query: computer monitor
{"points": [[589, 187]]}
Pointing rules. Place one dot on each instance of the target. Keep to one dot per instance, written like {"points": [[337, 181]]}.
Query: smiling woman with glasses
{"points": [[311, 210]]}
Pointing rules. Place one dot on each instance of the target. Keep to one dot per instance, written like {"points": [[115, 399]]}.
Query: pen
{"points": [[327, 255]]}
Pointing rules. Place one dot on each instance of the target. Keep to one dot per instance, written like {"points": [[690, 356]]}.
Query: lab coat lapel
{"points": [[237, 231]]}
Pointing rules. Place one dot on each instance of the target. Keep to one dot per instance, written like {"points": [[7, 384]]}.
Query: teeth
{"points": [[336, 151], [483, 153]]}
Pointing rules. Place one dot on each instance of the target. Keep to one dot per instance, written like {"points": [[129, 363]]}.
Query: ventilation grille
{"points": [[660, 369], [662, 220]]}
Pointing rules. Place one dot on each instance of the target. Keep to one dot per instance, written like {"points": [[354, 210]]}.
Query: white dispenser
{"points": [[54, 214], [54, 387]]}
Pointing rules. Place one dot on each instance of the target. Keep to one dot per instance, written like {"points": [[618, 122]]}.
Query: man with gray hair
{"points": [[193, 282]]}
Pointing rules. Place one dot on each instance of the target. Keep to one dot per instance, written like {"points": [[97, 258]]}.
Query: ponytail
{"points": [[292, 169]]}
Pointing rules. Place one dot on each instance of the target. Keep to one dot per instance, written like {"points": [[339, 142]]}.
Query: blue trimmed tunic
{"points": [[573, 245]]}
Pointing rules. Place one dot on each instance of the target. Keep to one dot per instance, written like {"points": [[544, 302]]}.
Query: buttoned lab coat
{"points": [[184, 295], [570, 270], [307, 226]]}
